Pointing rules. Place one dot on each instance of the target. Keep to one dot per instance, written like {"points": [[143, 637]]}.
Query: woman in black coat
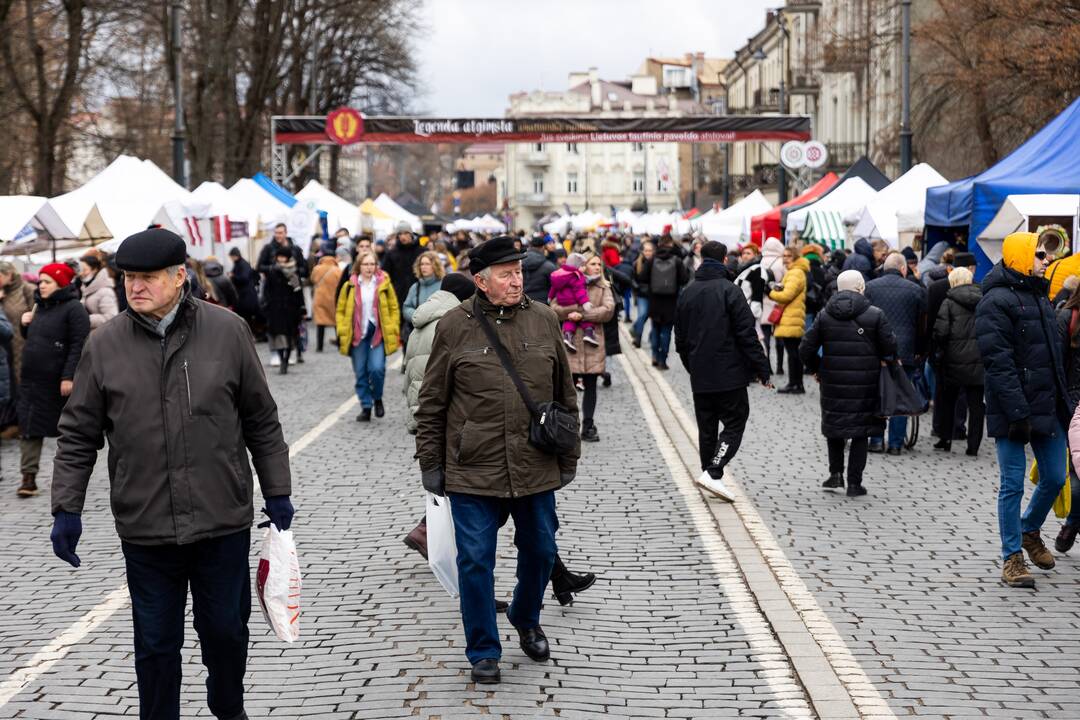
{"points": [[55, 331], [959, 359], [283, 306], [246, 283], [854, 338]]}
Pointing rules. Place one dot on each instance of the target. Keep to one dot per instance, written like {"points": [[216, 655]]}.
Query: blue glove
{"points": [[67, 529], [280, 511]]}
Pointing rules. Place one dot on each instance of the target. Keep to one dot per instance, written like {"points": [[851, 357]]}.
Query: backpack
{"points": [[814, 295], [664, 279]]}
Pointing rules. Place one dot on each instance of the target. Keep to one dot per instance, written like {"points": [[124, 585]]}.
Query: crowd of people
{"points": [[505, 343]]}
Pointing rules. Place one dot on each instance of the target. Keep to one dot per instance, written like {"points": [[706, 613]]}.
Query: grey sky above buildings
{"points": [[473, 54]]}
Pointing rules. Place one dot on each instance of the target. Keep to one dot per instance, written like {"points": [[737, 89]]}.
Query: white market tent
{"points": [[906, 197], [825, 227], [849, 197], [484, 224], [340, 213], [255, 205], [559, 226], [732, 224], [386, 203], [654, 223], [119, 201], [1016, 212], [23, 217]]}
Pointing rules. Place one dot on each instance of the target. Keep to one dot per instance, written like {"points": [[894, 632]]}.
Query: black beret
{"points": [[151, 250], [964, 259], [497, 250]]}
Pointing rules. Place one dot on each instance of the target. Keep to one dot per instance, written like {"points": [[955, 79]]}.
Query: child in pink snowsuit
{"points": [[569, 287]]}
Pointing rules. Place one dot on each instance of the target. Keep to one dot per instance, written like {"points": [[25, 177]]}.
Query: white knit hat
{"points": [[851, 280]]}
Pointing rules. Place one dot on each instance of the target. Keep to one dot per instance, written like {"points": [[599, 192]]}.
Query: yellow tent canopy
{"points": [[369, 208]]}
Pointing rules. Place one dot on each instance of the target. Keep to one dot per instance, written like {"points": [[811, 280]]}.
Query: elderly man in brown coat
{"points": [[473, 443]]}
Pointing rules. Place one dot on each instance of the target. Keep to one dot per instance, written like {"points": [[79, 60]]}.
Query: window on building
{"points": [[571, 183], [639, 181], [538, 182], [571, 148], [639, 147], [538, 147], [661, 186]]}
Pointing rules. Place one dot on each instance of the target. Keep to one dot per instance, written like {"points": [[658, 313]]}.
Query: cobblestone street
{"points": [[889, 604]]}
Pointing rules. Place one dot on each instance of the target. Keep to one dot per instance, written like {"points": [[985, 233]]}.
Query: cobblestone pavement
{"points": [[669, 630], [909, 574]]}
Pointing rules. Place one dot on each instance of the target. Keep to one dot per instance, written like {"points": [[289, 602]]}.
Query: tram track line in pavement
{"points": [[118, 599], [834, 681]]}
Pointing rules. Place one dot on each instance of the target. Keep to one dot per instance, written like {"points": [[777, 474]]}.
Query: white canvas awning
{"points": [[850, 196], [24, 217], [340, 213], [905, 197], [732, 224]]}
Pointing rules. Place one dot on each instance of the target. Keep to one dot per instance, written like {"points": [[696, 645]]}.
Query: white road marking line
{"points": [[863, 693], [758, 634], [119, 598]]}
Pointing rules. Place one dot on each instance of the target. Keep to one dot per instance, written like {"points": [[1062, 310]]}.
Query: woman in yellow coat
{"points": [[368, 330], [792, 295]]}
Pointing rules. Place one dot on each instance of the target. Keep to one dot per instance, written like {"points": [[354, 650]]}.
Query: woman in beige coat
{"points": [[588, 363], [324, 278]]}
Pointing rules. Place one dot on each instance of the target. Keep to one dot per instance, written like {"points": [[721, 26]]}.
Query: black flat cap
{"points": [[493, 252], [151, 250], [964, 259]]}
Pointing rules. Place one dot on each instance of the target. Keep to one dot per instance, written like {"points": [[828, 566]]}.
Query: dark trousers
{"points": [[767, 332], [320, 337], [856, 458], [588, 398], [795, 366], [976, 412], [477, 520], [959, 408], [158, 578], [732, 408]]}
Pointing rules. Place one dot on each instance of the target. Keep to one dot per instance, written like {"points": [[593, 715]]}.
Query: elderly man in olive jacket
{"points": [[472, 441], [176, 386]]}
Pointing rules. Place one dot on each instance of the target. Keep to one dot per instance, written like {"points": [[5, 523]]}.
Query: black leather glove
{"points": [[565, 478], [1020, 431], [434, 481]]}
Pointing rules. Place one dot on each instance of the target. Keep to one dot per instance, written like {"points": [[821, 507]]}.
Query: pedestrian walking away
{"points": [[664, 275], [844, 350], [368, 330], [537, 269], [959, 362], [471, 442], [772, 270], [176, 388], [716, 340], [324, 279], [1016, 329], [55, 330], [1069, 325]]}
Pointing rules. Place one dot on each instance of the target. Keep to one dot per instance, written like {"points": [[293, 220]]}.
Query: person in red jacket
{"points": [[609, 251]]}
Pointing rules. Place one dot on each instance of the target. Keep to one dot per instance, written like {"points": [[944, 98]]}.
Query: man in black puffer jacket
{"points": [[537, 270], [853, 337], [1027, 398], [718, 345]]}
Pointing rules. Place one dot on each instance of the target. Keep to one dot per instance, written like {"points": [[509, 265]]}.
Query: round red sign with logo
{"points": [[344, 126]]}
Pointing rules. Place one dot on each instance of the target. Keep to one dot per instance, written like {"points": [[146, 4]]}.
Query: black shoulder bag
{"points": [[553, 429]]}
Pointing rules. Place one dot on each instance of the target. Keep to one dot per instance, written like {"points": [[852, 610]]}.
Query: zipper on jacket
{"points": [[187, 382]]}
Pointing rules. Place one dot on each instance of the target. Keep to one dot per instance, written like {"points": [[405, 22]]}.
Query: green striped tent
{"points": [[825, 227]]}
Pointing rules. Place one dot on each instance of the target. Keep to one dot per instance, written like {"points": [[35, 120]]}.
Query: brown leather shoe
{"points": [[1037, 551], [28, 487], [1014, 572], [10, 432], [417, 539]]}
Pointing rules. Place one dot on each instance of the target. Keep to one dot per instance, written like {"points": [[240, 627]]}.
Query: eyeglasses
{"points": [[1043, 255]]}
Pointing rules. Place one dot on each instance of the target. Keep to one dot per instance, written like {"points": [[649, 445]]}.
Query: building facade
{"points": [[541, 179]]}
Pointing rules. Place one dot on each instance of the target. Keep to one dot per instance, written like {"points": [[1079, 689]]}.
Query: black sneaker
{"points": [[364, 416], [379, 409], [836, 480], [855, 490]]}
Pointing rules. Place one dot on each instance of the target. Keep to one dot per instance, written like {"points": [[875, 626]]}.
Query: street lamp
{"points": [[178, 95], [905, 100]]}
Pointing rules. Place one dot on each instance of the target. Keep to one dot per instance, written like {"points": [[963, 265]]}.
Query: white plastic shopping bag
{"points": [[441, 546], [277, 583]]}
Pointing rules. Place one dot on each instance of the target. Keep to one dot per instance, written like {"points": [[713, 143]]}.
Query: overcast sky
{"points": [[475, 53]]}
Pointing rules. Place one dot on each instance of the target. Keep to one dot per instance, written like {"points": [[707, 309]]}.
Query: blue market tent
{"points": [[274, 189], [1046, 163]]}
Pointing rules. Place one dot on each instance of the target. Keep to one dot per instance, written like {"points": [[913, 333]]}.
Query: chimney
{"points": [[577, 78], [594, 86]]}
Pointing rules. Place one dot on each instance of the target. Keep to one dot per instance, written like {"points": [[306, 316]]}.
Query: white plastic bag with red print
{"points": [[277, 583]]}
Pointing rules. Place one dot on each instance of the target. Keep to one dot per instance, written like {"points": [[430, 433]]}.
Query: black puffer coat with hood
{"points": [[954, 337], [855, 337], [862, 259]]}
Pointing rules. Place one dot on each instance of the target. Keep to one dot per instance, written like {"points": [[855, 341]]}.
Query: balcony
{"points": [[538, 158], [846, 54], [844, 155], [766, 100], [803, 83], [534, 199], [764, 175]]}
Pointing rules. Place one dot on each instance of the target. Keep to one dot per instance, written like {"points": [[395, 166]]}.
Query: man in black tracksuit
{"points": [[718, 345]]}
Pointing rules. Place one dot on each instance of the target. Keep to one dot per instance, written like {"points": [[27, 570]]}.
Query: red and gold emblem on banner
{"points": [[344, 126]]}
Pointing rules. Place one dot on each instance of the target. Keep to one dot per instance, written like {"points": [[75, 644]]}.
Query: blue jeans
{"points": [[369, 366], [477, 520], [897, 425], [1050, 455], [642, 316], [627, 296], [158, 578], [660, 339]]}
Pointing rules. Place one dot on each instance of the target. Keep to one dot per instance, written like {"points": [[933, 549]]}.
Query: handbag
{"points": [[776, 314], [553, 429], [896, 394]]}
